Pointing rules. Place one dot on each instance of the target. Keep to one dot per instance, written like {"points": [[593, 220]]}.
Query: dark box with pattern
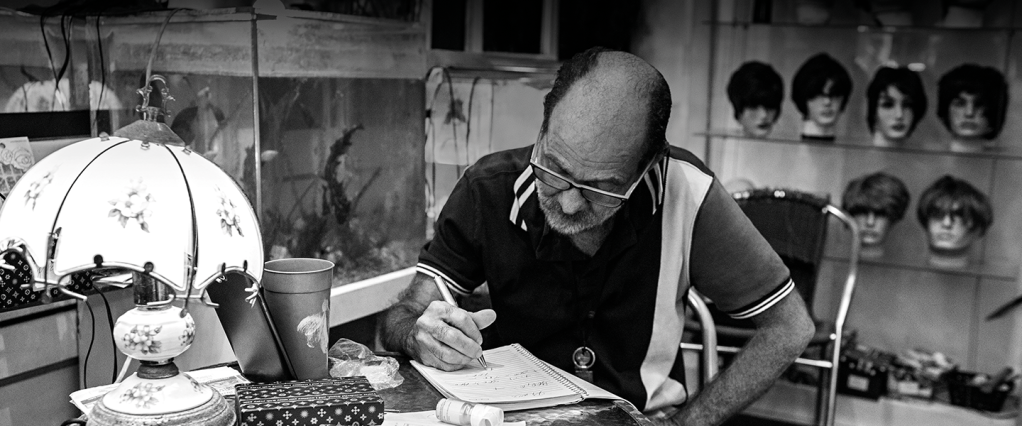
{"points": [[342, 401]]}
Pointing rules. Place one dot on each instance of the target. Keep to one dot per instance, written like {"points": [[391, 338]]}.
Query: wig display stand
{"points": [[949, 260]]}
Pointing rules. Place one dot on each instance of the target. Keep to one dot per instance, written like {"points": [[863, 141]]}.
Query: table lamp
{"points": [[138, 204]]}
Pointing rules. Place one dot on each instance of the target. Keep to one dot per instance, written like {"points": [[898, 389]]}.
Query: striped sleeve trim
{"points": [[451, 284], [765, 303], [524, 187]]}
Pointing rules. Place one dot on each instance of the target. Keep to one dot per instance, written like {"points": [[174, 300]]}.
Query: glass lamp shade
{"points": [[112, 202]]}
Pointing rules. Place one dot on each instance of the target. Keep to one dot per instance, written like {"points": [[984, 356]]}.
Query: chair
{"points": [[795, 224]]}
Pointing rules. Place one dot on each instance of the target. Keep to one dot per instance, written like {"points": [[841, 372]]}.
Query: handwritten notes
{"points": [[516, 380], [511, 377]]}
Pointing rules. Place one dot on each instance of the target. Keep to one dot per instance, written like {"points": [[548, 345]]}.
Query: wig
{"points": [[755, 84], [878, 193], [812, 77], [955, 197], [907, 82], [986, 83]]}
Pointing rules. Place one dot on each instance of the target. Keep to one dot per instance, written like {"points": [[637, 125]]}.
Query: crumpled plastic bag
{"points": [[348, 358]]}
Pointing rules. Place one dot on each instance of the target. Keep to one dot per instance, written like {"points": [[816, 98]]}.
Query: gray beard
{"points": [[569, 225]]}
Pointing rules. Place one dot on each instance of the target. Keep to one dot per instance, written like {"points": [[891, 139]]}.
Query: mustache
{"points": [[564, 223]]}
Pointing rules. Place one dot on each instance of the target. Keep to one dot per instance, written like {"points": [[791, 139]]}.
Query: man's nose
{"points": [[871, 219], [970, 109], [571, 201], [946, 221]]}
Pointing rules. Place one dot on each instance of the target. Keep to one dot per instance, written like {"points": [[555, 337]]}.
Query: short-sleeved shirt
{"points": [[679, 228]]}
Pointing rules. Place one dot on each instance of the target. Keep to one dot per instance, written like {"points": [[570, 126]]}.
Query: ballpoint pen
{"points": [[449, 298]]}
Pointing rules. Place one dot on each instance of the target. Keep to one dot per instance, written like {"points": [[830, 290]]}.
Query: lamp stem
{"points": [[148, 289]]}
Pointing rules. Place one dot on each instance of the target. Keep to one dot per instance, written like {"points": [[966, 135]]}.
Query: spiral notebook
{"points": [[515, 380]]}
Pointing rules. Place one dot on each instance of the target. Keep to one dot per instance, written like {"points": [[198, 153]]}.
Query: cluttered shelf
{"points": [[864, 28], [998, 272], [280, 41], [932, 149], [782, 402]]}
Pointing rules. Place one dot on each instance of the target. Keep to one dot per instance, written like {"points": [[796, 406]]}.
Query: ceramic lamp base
{"points": [[214, 412]]}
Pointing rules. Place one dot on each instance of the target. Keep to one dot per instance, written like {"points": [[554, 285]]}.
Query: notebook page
{"points": [[511, 377]]}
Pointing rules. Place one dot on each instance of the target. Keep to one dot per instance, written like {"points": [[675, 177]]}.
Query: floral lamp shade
{"points": [[111, 202]]}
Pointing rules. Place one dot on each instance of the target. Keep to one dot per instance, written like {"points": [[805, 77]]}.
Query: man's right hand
{"points": [[447, 337]]}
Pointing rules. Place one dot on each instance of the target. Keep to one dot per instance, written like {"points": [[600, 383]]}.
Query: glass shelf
{"points": [[1000, 272], [939, 149], [862, 28]]}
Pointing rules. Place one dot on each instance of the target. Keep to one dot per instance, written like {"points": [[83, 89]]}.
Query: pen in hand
{"points": [[449, 298]]}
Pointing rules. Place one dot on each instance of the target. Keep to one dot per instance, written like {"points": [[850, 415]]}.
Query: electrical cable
{"points": [[102, 76], [454, 119], [92, 338], [152, 51], [431, 136], [124, 370], [49, 58], [113, 339], [468, 118]]}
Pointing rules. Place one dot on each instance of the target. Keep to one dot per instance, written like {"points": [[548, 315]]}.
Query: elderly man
{"points": [[588, 241]]}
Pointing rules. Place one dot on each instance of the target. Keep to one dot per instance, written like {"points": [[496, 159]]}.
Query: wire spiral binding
{"points": [[553, 373]]}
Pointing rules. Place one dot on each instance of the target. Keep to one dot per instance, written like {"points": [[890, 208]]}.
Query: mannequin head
{"points": [[755, 91], [820, 91], [955, 214], [877, 201], [972, 102], [896, 102]]}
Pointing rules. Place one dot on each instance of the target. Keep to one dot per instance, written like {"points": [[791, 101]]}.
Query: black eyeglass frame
{"points": [[594, 195]]}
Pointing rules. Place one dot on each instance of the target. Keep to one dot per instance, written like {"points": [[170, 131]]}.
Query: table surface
{"points": [[416, 394]]}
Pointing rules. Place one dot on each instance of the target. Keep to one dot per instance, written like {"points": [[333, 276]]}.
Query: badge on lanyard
{"points": [[584, 359]]}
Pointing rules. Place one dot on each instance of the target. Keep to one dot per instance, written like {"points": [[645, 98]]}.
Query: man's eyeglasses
{"points": [[593, 195]]}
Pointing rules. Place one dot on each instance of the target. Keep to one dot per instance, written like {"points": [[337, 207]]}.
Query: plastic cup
{"points": [[297, 293]]}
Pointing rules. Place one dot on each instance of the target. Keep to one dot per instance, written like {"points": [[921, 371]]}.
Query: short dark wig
{"points": [[659, 93], [907, 82], [955, 197], [813, 75], [878, 193], [986, 83], [755, 84]]}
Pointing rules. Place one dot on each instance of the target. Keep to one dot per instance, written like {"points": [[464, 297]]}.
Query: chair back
{"points": [[795, 225]]}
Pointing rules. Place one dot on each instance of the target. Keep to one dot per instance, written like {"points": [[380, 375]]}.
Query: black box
{"points": [[964, 393], [863, 371], [342, 401]]}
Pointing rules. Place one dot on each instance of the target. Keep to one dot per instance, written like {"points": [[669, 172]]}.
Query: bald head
{"points": [[601, 86]]}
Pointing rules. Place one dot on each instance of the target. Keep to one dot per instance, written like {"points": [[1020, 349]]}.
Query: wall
{"points": [[674, 38]]}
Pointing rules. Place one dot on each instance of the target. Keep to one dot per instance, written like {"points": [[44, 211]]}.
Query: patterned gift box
{"points": [[324, 402]]}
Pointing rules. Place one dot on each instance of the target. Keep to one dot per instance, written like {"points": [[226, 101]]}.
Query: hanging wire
{"points": [[102, 76], [88, 352], [468, 119], [113, 339], [152, 51]]}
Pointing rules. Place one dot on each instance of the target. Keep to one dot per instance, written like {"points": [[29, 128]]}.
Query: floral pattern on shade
{"points": [[143, 338], [142, 395], [35, 189], [135, 205], [188, 336], [230, 222]]}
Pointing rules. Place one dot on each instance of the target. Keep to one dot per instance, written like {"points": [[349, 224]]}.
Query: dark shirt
{"points": [[679, 228]]}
